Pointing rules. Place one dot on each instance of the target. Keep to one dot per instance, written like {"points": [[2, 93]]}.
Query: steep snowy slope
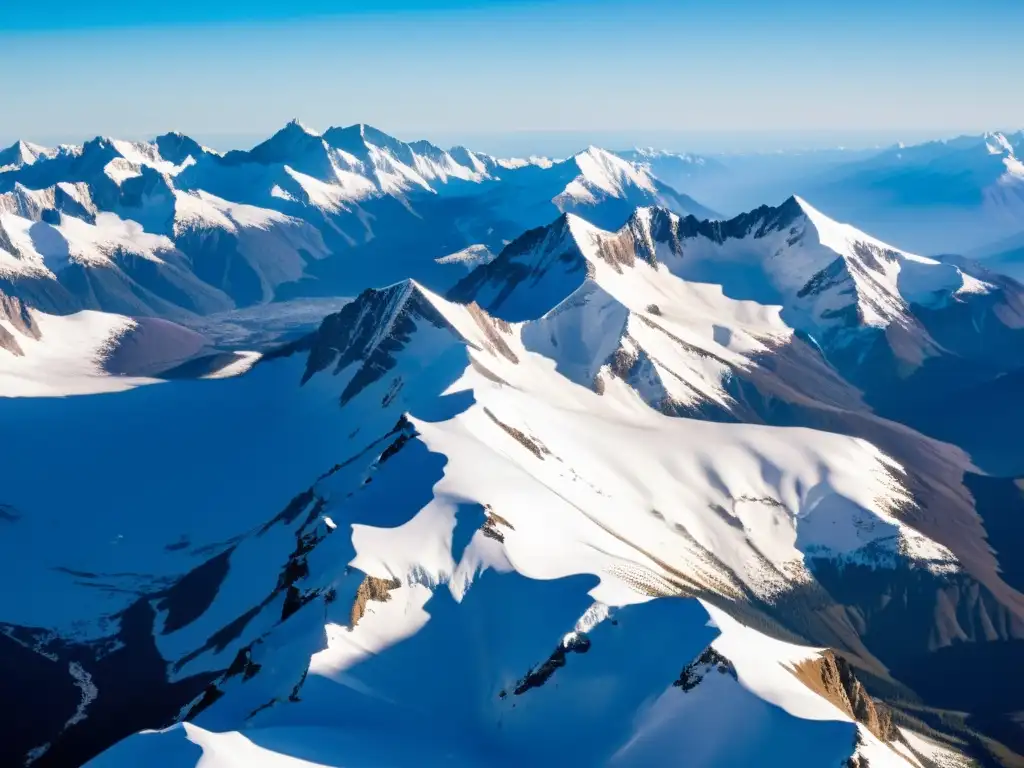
{"points": [[885, 318], [239, 250], [684, 347], [110, 265], [88, 352], [438, 510], [739, 702], [594, 184]]}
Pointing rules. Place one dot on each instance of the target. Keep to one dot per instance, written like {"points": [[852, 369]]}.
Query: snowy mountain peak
{"points": [[477, 161], [539, 269], [651, 219], [610, 173], [176, 147], [602, 178], [293, 139], [20, 154], [357, 139], [350, 138], [829, 279], [296, 125], [379, 324]]}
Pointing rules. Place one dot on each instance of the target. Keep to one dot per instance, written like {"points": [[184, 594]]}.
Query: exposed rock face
{"points": [[493, 329], [369, 331], [9, 343], [532, 445], [14, 311], [372, 588], [832, 677], [576, 642], [694, 672], [492, 526], [530, 261]]}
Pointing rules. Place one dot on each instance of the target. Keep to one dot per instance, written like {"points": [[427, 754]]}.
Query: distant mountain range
{"points": [[963, 195], [173, 226], [349, 451]]}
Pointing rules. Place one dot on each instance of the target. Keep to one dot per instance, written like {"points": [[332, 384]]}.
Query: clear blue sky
{"points": [[232, 70]]}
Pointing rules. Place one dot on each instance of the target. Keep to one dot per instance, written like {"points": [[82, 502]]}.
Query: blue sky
{"points": [[230, 71]]}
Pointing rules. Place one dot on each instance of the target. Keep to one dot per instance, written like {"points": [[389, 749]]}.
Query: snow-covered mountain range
{"points": [[889, 321], [149, 227], [603, 479]]}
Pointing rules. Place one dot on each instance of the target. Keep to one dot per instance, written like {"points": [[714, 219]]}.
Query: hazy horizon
{"points": [[566, 142], [792, 74]]}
